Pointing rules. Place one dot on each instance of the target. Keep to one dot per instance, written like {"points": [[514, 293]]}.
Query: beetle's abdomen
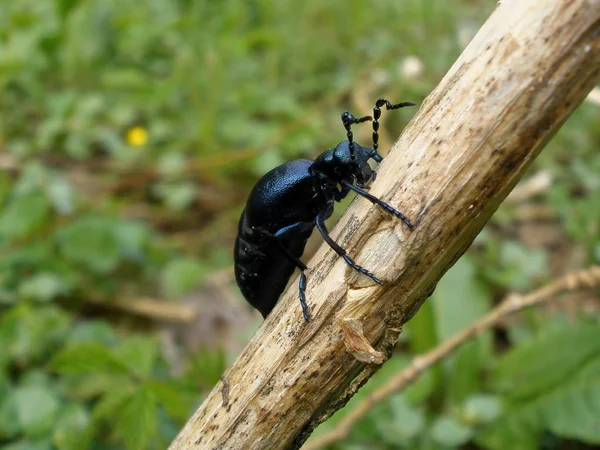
{"points": [[286, 196], [261, 269]]}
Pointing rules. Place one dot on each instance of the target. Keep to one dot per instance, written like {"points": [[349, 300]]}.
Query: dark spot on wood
{"points": [[225, 388], [410, 164], [267, 388], [436, 200], [508, 165], [241, 419], [436, 153], [437, 128], [440, 141]]}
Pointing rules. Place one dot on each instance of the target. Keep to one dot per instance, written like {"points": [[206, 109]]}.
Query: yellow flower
{"points": [[137, 136]]}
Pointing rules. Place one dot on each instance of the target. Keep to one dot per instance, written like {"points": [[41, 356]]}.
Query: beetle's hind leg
{"points": [[340, 251], [279, 236], [302, 283]]}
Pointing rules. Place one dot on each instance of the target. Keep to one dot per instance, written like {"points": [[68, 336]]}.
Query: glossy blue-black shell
{"points": [[287, 195]]}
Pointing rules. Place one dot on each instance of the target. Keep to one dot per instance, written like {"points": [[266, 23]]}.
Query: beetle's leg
{"points": [[376, 115], [292, 229], [279, 236], [340, 251], [348, 119], [379, 202]]}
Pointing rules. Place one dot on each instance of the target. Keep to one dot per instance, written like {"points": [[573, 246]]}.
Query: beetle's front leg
{"points": [[320, 222], [380, 203]]}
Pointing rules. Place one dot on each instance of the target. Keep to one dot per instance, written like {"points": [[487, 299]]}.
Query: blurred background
{"points": [[131, 133]]}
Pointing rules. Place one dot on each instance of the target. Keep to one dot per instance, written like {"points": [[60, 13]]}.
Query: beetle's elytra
{"points": [[289, 201]]}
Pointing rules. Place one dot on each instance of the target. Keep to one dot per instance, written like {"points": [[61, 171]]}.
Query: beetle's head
{"points": [[345, 164]]}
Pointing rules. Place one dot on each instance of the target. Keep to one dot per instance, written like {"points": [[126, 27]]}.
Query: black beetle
{"points": [[289, 201]]}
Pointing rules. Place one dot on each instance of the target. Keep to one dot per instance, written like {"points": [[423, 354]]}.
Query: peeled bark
{"points": [[528, 68]]}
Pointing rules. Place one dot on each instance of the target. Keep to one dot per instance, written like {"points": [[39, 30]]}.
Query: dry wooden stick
{"points": [[574, 281], [150, 308], [528, 68]]}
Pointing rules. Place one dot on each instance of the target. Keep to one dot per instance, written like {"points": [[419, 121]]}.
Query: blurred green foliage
{"points": [[130, 134]]}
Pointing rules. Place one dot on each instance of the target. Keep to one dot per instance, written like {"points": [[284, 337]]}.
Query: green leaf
{"points": [[139, 353], [570, 410], [92, 242], [43, 287], [396, 421], [132, 237], [97, 331], [91, 385], [88, 358], [136, 420], [448, 432], [459, 300], [206, 366], [33, 178], [23, 215], [61, 194], [109, 406], [25, 444], [574, 412], [177, 195], [481, 408], [28, 334], [545, 361], [10, 426], [181, 275], [37, 408], [73, 429], [175, 399], [518, 266]]}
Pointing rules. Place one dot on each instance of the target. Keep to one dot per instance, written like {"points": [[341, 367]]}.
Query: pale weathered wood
{"points": [[527, 69]]}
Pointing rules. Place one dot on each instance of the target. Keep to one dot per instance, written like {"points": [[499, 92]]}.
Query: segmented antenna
{"points": [[376, 116], [348, 120]]}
